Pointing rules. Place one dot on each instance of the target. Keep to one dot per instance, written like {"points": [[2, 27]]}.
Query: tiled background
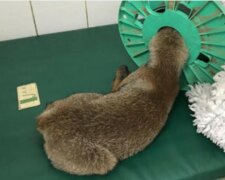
{"points": [[26, 18]]}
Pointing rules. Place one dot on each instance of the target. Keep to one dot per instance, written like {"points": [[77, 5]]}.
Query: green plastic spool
{"points": [[201, 24]]}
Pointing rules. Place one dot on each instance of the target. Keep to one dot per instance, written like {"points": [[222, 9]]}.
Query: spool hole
{"points": [[160, 9], [140, 18], [204, 58], [186, 10]]}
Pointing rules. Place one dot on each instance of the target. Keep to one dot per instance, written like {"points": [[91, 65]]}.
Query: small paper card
{"points": [[28, 96]]}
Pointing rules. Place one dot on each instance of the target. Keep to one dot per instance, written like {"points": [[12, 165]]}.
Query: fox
{"points": [[89, 133]]}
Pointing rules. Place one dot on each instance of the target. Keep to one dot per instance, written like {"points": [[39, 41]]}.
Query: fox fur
{"points": [[88, 133]]}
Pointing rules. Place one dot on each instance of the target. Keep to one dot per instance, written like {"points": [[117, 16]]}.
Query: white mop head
{"points": [[208, 104]]}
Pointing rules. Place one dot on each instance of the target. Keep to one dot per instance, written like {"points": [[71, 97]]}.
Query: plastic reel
{"points": [[201, 23]]}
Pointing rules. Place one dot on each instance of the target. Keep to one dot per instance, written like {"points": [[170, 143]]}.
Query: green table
{"points": [[85, 61]]}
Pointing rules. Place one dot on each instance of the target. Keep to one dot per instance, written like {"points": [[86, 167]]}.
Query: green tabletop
{"points": [[85, 61]]}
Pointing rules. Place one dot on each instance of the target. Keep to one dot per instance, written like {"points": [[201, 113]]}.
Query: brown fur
{"points": [[89, 133]]}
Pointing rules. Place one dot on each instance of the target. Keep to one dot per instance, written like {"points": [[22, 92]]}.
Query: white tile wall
{"points": [[58, 16], [51, 16], [102, 12], [15, 20]]}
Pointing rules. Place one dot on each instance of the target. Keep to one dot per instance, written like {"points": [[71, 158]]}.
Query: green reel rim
{"points": [[201, 23]]}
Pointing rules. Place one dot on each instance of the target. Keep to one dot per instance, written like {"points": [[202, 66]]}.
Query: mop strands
{"points": [[207, 101]]}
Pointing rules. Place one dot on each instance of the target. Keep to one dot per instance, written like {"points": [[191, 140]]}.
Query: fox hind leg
{"points": [[121, 73], [86, 159]]}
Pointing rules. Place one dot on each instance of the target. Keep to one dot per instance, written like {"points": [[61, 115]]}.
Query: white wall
{"points": [[59, 16], [102, 12], [15, 20], [26, 18]]}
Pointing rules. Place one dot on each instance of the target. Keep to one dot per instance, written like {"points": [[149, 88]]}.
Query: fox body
{"points": [[88, 133]]}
